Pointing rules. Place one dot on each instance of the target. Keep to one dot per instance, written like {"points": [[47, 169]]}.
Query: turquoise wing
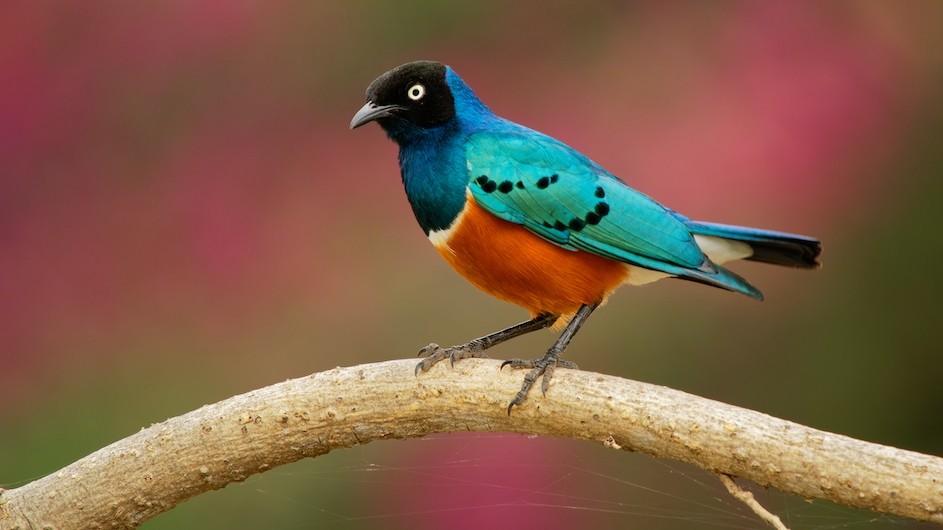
{"points": [[531, 179], [556, 192]]}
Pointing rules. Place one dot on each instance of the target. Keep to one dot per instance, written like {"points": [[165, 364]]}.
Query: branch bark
{"points": [[151, 471]]}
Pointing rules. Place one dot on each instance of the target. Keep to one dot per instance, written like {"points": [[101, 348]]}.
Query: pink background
{"points": [[184, 216]]}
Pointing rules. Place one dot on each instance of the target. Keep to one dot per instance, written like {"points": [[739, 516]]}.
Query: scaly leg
{"points": [[545, 365], [476, 348]]}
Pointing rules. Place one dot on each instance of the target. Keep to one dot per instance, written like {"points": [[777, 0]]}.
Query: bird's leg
{"points": [[545, 365], [475, 348]]}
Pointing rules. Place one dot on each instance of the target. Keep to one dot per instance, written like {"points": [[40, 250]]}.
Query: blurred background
{"points": [[184, 216]]}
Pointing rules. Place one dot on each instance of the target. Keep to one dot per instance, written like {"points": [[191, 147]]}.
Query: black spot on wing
{"points": [[576, 224], [599, 211], [544, 182], [487, 185]]}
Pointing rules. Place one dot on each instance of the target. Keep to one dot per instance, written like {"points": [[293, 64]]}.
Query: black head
{"points": [[416, 93]]}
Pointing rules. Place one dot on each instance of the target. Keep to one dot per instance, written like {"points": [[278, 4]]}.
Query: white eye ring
{"points": [[416, 92]]}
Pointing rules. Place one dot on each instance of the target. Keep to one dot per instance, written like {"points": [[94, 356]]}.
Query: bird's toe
{"points": [[428, 350]]}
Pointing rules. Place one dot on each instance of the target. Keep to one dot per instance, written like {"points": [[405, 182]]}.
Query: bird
{"points": [[532, 221]]}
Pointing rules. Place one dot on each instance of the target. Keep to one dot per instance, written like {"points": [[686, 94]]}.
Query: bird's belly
{"points": [[509, 262]]}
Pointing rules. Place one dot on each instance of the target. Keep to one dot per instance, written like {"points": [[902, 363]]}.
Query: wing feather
{"points": [[559, 194]]}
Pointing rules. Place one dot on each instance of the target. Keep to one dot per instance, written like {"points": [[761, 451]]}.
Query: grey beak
{"points": [[371, 111]]}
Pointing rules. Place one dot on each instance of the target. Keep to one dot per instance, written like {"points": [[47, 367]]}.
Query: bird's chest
{"points": [[509, 262]]}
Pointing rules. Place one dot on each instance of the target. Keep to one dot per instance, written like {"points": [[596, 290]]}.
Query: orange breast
{"points": [[508, 261]]}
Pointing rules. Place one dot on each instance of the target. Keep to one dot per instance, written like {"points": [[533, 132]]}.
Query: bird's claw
{"points": [[428, 350], [540, 368], [533, 363], [434, 353]]}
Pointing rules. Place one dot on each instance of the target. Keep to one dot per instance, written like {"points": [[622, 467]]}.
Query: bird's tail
{"points": [[778, 248]]}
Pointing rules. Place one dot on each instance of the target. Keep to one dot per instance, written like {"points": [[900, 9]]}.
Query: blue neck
{"points": [[434, 184], [432, 160]]}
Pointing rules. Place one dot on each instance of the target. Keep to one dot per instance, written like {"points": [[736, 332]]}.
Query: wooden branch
{"points": [[151, 471], [747, 498]]}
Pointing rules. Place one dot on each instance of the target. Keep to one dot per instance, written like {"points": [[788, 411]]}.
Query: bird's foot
{"points": [[434, 353], [543, 366]]}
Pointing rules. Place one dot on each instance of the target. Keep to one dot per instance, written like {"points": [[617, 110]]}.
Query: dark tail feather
{"points": [[778, 248], [725, 279]]}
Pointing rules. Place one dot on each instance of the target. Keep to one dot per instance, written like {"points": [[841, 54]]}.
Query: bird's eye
{"points": [[416, 92]]}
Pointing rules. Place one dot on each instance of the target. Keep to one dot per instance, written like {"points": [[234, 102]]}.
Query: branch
{"points": [[747, 498], [153, 470]]}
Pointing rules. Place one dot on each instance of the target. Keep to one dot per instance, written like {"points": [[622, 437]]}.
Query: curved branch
{"points": [[149, 472]]}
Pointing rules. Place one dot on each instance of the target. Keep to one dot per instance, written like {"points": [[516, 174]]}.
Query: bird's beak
{"points": [[370, 112]]}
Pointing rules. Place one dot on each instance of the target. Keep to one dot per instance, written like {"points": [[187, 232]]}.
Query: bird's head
{"points": [[408, 99]]}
